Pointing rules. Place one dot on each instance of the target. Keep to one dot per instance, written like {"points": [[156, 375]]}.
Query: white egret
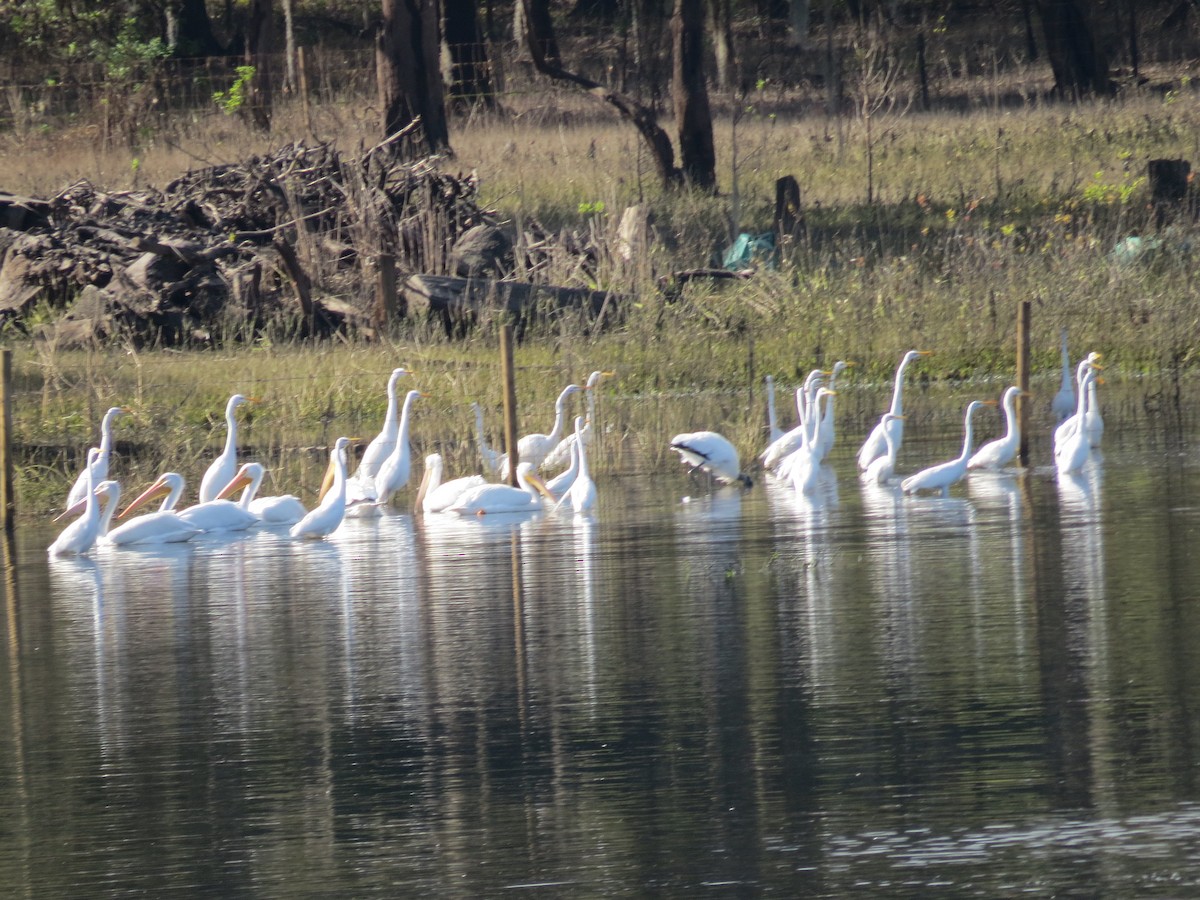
{"points": [[436, 495], [562, 450], [882, 468], [789, 441], [99, 468], [1002, 450], [80, 536], [329, 513], [490, 456], [1093, 421], [224, 467], [1067, 427], [534, 448], [582, 493], [802, 465], [395, 471], [712, 453], [382, 444], [561, 483], [504, 498], [1063, 404], [825, 427], [941, 476], [876, 445], [282, 509], [1073, 450]]}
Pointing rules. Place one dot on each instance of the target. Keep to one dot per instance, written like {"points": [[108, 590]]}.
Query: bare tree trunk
{"points": [[470, 77], [798, 16], [641, 117], [693, 117], [289, 42], [190, 32], [723, 47], [540, 27], [260, 29], [1078, 62], [410, 80]]}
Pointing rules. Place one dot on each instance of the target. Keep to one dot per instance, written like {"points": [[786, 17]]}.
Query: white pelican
{"points": [[882, 468], [328, 515], [224, 467], [534, 448], [436, 495], [80, 536], [562, 450], [875, 444], [582, 493], [941, 476], [825, 426], [1002, 450], [153, 528], [1067, 427], [503, 498], [212, 515], [1072, 451], [1063, 403], [382, 444], [561, 483], [283, 509], [99, 468], [713, 453], [491, 457], [395, 471]]}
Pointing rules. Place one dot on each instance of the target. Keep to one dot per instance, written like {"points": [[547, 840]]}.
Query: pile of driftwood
{"points": [[285, 241]]}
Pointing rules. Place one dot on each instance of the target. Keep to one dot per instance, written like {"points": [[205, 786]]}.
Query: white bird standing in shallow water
{"points": [[876, 445], [561, 483], [382, 444], [224, 467], [562, 450], [825, 427], [1093, 422], [1063, 403], [80, 536], [397, 468], [329, 513], [1073, 450], [787, 443], [940, 477], [283, 509], [712, 453], [504, 498], [436, 495], [1068, 426], [882, 468], [1002, 450], [534, 448], [582, 493], [98, 468], [491, 457]]}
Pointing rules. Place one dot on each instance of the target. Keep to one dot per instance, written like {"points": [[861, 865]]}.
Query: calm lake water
{"points": [[992, 694]]}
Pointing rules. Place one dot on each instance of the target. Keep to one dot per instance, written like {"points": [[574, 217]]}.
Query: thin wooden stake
{"points": [[385, 291], [509, 378], [8, 503], [1024, 317]]}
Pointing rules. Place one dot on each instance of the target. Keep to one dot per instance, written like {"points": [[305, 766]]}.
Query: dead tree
{"points": [[693, 117], [1076, 58], [410, 81]]}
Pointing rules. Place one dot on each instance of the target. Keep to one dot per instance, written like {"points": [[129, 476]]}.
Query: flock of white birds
{"points": [[794, 456], [384, 469]]}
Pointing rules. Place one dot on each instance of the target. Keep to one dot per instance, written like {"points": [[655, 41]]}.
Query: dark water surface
{"points": [[741, 694]]}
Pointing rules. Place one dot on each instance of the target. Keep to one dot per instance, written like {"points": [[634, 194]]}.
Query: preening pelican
{"points": [[283, 509], [875, 444], [534, 448], [382, 444], [1063, 403], [562, 451], [940, 477], [99, 468], [436, 495], [395, 471], [582, 493], [1073, 449], [712, 453], [224, 467], [212, 515], [504, 498], [882, 468], [825, 427], [1002, 450], [330, 512], [80, 536], [491, 457]]}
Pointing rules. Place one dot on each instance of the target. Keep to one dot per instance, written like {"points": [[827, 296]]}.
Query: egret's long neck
{"points": [[403, 430], [898, 391], [968, 437], [559, 415], [106, 436], [582, 454], [338, 490], [1081, 402], [479, 426], [231, 430], [1066, 363], [1010, 415], [389, 419]]}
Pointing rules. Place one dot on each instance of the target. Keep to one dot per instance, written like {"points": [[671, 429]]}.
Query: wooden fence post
{"points": [[1024, 317], [508, 376], [8, 503]]}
